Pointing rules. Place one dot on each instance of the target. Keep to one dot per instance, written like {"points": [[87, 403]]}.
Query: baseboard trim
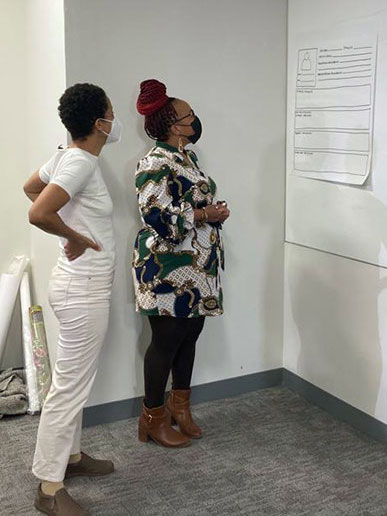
{"points": [[125, 409], [336, 407]]}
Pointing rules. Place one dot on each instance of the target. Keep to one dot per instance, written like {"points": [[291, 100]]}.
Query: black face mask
{"points": [[197, 127]]}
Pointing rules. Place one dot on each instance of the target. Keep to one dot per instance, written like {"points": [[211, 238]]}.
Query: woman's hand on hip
{"points": [[75, 247]]}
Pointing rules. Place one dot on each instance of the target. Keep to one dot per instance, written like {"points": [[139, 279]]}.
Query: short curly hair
{"points": [[80, 106]]}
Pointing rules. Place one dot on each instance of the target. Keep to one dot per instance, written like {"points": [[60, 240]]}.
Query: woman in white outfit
{"points": [[70, 200]]}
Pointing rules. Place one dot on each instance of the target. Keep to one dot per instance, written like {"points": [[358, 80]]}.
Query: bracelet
{"points": [[205, 218]]}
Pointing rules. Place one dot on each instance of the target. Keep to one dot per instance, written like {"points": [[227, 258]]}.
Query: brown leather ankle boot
{"points": [[155, 423], [178, 405]]}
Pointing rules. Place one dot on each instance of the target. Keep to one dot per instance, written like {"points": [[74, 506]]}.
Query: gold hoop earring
{"points": [[181, 146]]}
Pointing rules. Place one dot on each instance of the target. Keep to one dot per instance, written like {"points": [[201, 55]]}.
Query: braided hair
{"points": [[158, 108]]}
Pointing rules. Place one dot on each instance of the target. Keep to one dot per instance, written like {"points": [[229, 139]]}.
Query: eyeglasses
{"points": [[191, 113]]}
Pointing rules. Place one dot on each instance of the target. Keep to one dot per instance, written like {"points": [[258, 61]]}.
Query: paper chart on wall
{"points": [[334, 110]]}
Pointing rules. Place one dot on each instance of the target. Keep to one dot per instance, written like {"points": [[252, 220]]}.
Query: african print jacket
{"points": [[176, 261]]}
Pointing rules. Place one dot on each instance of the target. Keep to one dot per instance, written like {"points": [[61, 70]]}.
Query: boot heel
{"points": [[143, 434]]}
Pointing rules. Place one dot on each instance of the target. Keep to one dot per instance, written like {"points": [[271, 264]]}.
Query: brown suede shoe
{"points": [[178, 405], [61, 504], [89, 467], [155, 423]]}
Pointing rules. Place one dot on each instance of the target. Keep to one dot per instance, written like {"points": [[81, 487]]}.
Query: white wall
{"points": [[336, 326], [15, 235], [45, 83], [33, 77], [14, 232], [335, 308], [230, 64], [342, 219], [228, 60]]}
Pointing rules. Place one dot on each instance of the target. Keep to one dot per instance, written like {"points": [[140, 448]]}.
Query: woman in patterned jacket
{"points": [[177, 257]]}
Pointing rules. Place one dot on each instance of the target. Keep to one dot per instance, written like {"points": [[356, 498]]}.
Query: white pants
{"points": [[81, 304]]}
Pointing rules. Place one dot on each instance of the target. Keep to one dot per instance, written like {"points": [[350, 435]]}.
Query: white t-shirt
{"points": [[88, 212]]}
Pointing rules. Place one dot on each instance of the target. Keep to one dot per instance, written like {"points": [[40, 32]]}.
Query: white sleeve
{"points": [[73, 176], [45, 171]]}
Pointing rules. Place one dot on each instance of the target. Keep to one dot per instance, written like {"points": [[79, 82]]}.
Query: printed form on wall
{"points": [[334, 108]]}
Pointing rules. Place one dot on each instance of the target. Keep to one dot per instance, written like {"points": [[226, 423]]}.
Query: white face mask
{"points": [[115, 131]]}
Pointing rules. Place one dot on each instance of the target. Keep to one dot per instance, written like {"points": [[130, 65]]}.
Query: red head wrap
{"points": [[153, 96]]}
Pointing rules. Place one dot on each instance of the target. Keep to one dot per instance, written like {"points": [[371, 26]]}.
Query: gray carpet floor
{"points": [[263, 453]]}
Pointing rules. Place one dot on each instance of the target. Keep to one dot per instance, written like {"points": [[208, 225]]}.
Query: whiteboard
{"points": [[342, 219]]}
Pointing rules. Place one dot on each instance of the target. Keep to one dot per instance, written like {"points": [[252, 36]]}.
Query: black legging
{"points": [[172, 348]]}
